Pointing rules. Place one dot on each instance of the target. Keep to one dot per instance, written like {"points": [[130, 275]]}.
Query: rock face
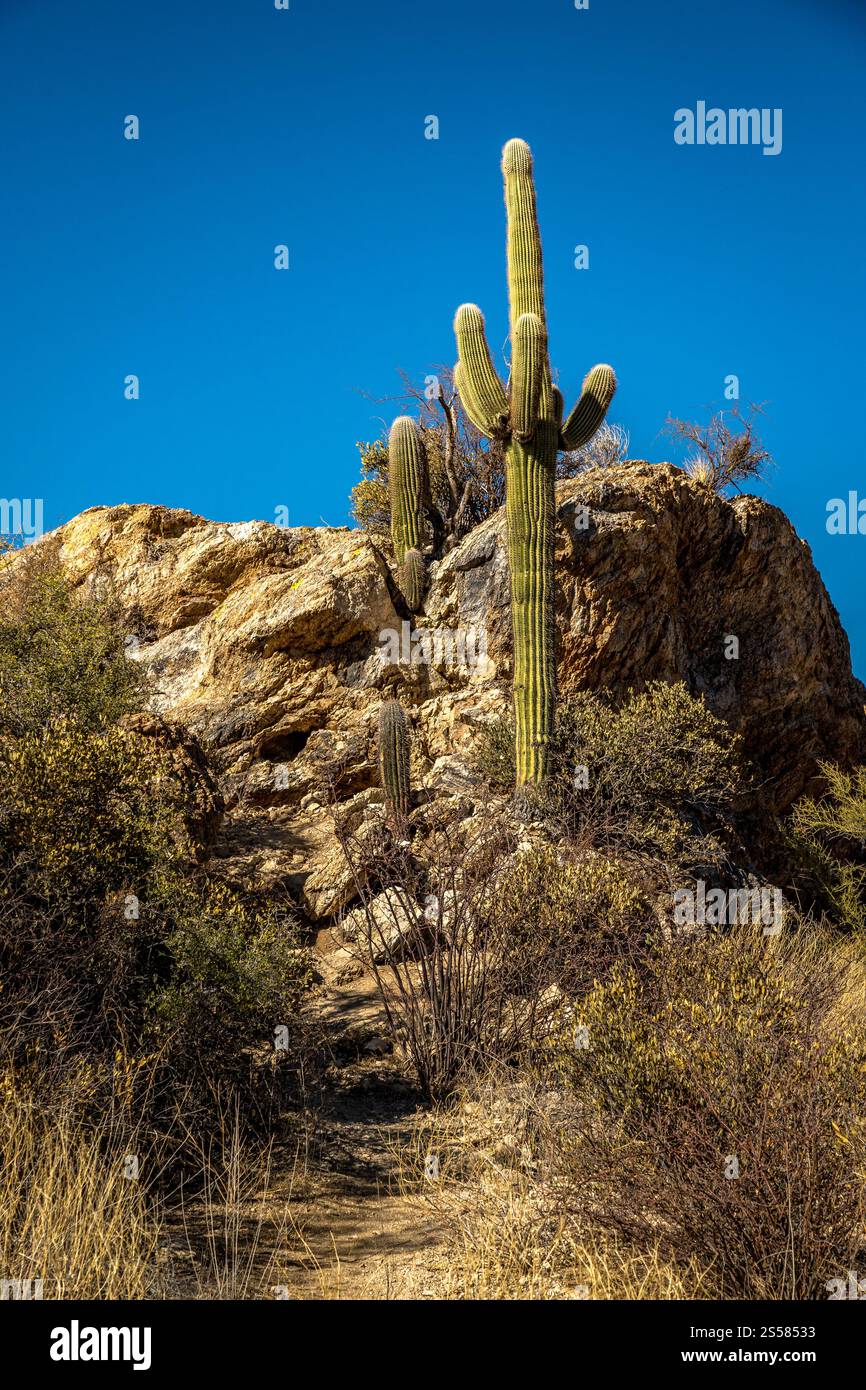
{"points": [[271, 645]]}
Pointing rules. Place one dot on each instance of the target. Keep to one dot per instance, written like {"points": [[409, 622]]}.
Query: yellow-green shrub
{"points": [[61, 653], [720, 1096], [827, 837], [663, 773], [87, 812], [564, 915], [115, 941]]}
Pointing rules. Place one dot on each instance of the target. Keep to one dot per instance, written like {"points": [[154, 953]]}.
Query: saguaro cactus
{"points": [[394, 757], [406, 473], [528, 415]]}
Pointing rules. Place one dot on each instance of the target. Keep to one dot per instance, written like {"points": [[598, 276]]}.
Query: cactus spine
{"points": [[529, 417], [406, 476], [394, 758]]}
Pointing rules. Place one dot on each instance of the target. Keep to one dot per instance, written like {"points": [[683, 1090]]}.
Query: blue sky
{"points": [[306, 127]]}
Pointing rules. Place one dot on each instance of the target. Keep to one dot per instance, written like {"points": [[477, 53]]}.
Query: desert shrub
{"points": [[727, 451], [106, 914], [236, 974], [719, 1100], [827, 840], [607, 448], [457, 993], [120, 951], [61, 653], [657, 775], [465, 472], [565, 916], [86, 812], [498, 1200], [371, 499], [86, 836]]}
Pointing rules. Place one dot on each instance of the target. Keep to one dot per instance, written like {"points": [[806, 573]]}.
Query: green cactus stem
{"points": [[394, 758], [413, 579]]}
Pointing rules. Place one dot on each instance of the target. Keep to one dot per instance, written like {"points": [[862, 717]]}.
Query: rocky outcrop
{"points": [[267, 644]]}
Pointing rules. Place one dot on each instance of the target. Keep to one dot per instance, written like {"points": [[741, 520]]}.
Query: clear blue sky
{"points": [[306, 127]]}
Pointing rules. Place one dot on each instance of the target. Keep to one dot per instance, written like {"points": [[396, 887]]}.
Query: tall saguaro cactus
{"points": [[406, 474], [528, 415]]}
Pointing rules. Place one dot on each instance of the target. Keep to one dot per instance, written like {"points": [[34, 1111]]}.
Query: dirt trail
{"points": [[356, 1234], [332, 1221]]}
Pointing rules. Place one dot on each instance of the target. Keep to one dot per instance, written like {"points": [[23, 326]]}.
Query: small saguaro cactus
{"points": [[407, 466], [394, 758], [412, 579], [528, 416]]}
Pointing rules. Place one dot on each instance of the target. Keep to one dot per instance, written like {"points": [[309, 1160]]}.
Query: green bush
{"points": [[827, 838], [61, 653], [565, 916], [236, 975], [87, 813], [663, 774], [116, 942]]}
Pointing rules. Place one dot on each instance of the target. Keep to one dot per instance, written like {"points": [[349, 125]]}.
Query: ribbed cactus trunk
{"points": [[530, 511], [412, 579], [530, 477], [394, 759], [529, 417]]}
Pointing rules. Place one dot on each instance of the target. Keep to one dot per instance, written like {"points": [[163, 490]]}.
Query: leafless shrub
{"points": [[727, 450], [465, 472], [498, 1200], [456, 994], [719, 1110]]}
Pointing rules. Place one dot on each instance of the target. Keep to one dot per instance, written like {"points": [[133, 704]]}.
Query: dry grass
{"points": [[68, 1213]]}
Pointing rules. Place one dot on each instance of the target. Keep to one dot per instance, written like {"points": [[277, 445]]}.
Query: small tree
{"points": [[728, 452]]}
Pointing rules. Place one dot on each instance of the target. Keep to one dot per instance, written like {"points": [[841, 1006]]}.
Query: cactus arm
{"points": [[481, 385], [525, 276], [598, 388], [558, 406], [527, 375], [406, 477], [470, 404]]}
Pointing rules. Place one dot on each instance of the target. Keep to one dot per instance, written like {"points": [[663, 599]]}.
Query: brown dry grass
{"points": [[68, 1214]]}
